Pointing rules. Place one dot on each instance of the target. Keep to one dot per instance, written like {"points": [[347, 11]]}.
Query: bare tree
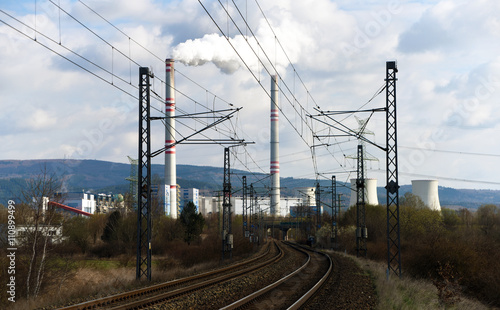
{"points": [[39, 226]]}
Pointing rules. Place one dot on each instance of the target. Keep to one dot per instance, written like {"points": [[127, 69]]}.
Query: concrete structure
{"points": [[23, 234], [209, 205], [190, 194], [286, 203], [170, 159], [275, 163], [371, 197], [427, 190]]}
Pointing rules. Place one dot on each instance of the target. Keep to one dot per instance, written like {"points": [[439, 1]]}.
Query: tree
{"points": [[77, 231], [39, 219], [192, 221], [110, 234], [418, 221], [488, 218], [450, 218]]}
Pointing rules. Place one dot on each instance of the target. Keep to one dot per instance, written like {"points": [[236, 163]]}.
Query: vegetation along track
{"points": [[144, 297]]}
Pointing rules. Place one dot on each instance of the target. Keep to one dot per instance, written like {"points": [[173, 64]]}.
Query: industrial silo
{"points": [[427, 190]]}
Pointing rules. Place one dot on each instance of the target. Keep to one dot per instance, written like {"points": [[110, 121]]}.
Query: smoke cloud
{"points": [[214, 48], [217, 50]]}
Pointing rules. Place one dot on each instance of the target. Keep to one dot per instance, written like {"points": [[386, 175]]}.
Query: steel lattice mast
{"points": [[318, 205], [245, 211], [334, 212], [393, 228], [227, 237], [143, 266], [361, 231]]}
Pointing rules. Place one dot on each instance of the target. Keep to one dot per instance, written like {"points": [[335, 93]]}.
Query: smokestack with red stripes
{"points": [[170, 159], [275, 164]]}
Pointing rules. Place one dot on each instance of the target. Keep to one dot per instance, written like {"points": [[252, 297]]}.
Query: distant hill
{"points": [[103, 176]]}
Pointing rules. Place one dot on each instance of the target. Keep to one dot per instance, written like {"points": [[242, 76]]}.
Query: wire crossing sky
{"points": [[71, 93]]}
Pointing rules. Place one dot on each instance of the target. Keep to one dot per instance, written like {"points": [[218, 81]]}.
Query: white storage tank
{"points": [[427, 190], [371, 197]]}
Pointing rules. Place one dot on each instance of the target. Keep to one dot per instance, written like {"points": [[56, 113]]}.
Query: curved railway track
{"points": [[144, 297], [288, 283], [293, 290]]}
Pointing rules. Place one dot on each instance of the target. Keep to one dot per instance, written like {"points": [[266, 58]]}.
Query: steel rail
{"points": [[307, 296], [250, 298], [182, 291], [109, 300]]}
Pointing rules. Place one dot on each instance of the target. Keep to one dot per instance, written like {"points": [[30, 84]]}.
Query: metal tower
{"points": [[393, 233], [361, 231], [334, 213], [362, 132], [318, 205], [245, 210], [227, 237], [133, 181], [143, 266]]}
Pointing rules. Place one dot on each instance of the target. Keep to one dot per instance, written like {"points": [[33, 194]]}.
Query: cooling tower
{"points": [[370, 194], [308, 195], [427, 190]]}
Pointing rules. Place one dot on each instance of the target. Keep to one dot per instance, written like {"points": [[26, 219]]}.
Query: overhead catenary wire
{"points": [[112, 73], [196, 102], [179, 72], [300, 114], [114, 77]]}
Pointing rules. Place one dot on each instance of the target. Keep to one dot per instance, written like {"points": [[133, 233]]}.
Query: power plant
{"points": [[427, 190]]}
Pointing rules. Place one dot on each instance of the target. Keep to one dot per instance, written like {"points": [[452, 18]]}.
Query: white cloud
{"points": [[445, 50]]}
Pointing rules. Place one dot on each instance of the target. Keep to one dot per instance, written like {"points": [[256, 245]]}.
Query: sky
{"points": [[68, 83]]}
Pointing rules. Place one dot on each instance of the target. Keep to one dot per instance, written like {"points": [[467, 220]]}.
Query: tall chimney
{"points": [[275, 164], [170, 159]]}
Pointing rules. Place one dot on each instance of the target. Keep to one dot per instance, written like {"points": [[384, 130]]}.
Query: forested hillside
{"points": [[103, 176]]}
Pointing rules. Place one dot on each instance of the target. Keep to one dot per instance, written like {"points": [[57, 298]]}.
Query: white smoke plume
{"points": [[216, 49]]}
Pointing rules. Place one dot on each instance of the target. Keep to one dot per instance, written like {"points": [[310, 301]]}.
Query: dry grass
{"points": [[85, 282], [96, 278], [407, 293]]}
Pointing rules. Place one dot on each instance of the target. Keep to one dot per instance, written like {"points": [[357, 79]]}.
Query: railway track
{"points": [[293, 290], [154, 294], [290, 277]]}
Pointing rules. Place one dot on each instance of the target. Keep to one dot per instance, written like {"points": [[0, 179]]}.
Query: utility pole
{"points": [[143, 265], [252, 213], [334, 211], [393, 233], [227, 237], [339, 214], [318, 206], [361, 231], [245, 211]]}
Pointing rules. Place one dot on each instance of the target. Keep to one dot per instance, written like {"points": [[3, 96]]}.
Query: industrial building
{"points": [[82, 201], [190, 194]]}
